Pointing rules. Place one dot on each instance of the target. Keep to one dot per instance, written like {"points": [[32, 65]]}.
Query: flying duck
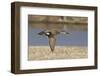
{"points": [[51, 35]]}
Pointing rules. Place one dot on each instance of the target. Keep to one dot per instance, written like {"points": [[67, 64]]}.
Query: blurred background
{"points": [[76, 26]]}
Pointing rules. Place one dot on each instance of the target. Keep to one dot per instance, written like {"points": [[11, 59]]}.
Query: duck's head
{"points": [[48, 33], [45, 33]]}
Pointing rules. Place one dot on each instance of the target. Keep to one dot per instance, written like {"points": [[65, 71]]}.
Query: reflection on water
{"points": [[75, 38]]}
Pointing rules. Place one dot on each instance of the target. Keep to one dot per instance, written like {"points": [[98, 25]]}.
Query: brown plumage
{"points": [[51, 37], [51, 34], [52, 42]]}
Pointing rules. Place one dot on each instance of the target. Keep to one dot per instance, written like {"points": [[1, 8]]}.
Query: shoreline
{"points": [[60, 52]]}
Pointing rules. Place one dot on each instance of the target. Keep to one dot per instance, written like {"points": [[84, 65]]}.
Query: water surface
{"points": [[75, 38]]}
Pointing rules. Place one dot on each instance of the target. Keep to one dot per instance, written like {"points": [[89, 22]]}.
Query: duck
{"points": [[51, 35]]}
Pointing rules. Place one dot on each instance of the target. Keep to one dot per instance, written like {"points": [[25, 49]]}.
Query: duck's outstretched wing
{"points": [[64, 32], [41, 33], [52, 42]]}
